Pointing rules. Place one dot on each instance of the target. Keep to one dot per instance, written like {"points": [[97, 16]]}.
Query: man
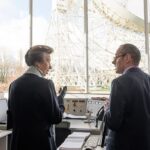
{"points": [[33, 106], [128, 116]]}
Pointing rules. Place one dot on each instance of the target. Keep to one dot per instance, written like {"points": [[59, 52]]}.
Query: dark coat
{"points": [[33, 108], [129, 114]]}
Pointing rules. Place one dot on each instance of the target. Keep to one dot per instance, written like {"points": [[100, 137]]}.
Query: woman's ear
{"points": [[37, 64]]}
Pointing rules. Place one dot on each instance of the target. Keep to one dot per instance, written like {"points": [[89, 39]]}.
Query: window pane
{"points": [[60, 24], [41, 18], [66, 35], [14, 37], [112, 23]]}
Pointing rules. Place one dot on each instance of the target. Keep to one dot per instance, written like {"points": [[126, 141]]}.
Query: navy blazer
{"points": [[129, 113], [32, 109]]}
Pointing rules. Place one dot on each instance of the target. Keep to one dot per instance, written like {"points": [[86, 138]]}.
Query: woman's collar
{"points": [[34, 70]]}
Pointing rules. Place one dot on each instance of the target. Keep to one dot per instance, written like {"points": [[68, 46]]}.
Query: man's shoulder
{"points": [[120, 77], [132, 76], [123, 78]]}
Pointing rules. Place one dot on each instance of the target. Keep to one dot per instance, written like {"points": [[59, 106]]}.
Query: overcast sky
{"points": [[14, 23], [18, 8]]}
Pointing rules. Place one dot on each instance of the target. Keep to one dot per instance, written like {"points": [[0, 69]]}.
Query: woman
{"points": [[33, 106]]}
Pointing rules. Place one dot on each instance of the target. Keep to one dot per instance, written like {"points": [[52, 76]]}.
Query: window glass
{"points": [[41, 18], [60, 24], [14, 37], [66, 36], [112, 23]]}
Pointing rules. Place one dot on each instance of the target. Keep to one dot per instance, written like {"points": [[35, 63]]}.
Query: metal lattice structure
{"points": [[106, 32]]}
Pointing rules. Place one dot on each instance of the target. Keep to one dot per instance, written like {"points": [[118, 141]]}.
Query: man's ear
{"points": [[128, 58]]}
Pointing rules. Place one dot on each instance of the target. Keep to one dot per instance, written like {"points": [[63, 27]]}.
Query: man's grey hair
{"points": [[132, 50]]}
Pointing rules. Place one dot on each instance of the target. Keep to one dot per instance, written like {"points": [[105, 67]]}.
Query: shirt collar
{"points": [[129, 68], [34, 70]]}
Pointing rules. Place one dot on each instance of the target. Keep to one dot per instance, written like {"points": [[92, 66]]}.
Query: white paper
{"points": [[65, 115], [74, 141]]}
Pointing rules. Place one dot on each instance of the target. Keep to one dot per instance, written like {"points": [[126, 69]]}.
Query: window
{"points": [[60, 24]]}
